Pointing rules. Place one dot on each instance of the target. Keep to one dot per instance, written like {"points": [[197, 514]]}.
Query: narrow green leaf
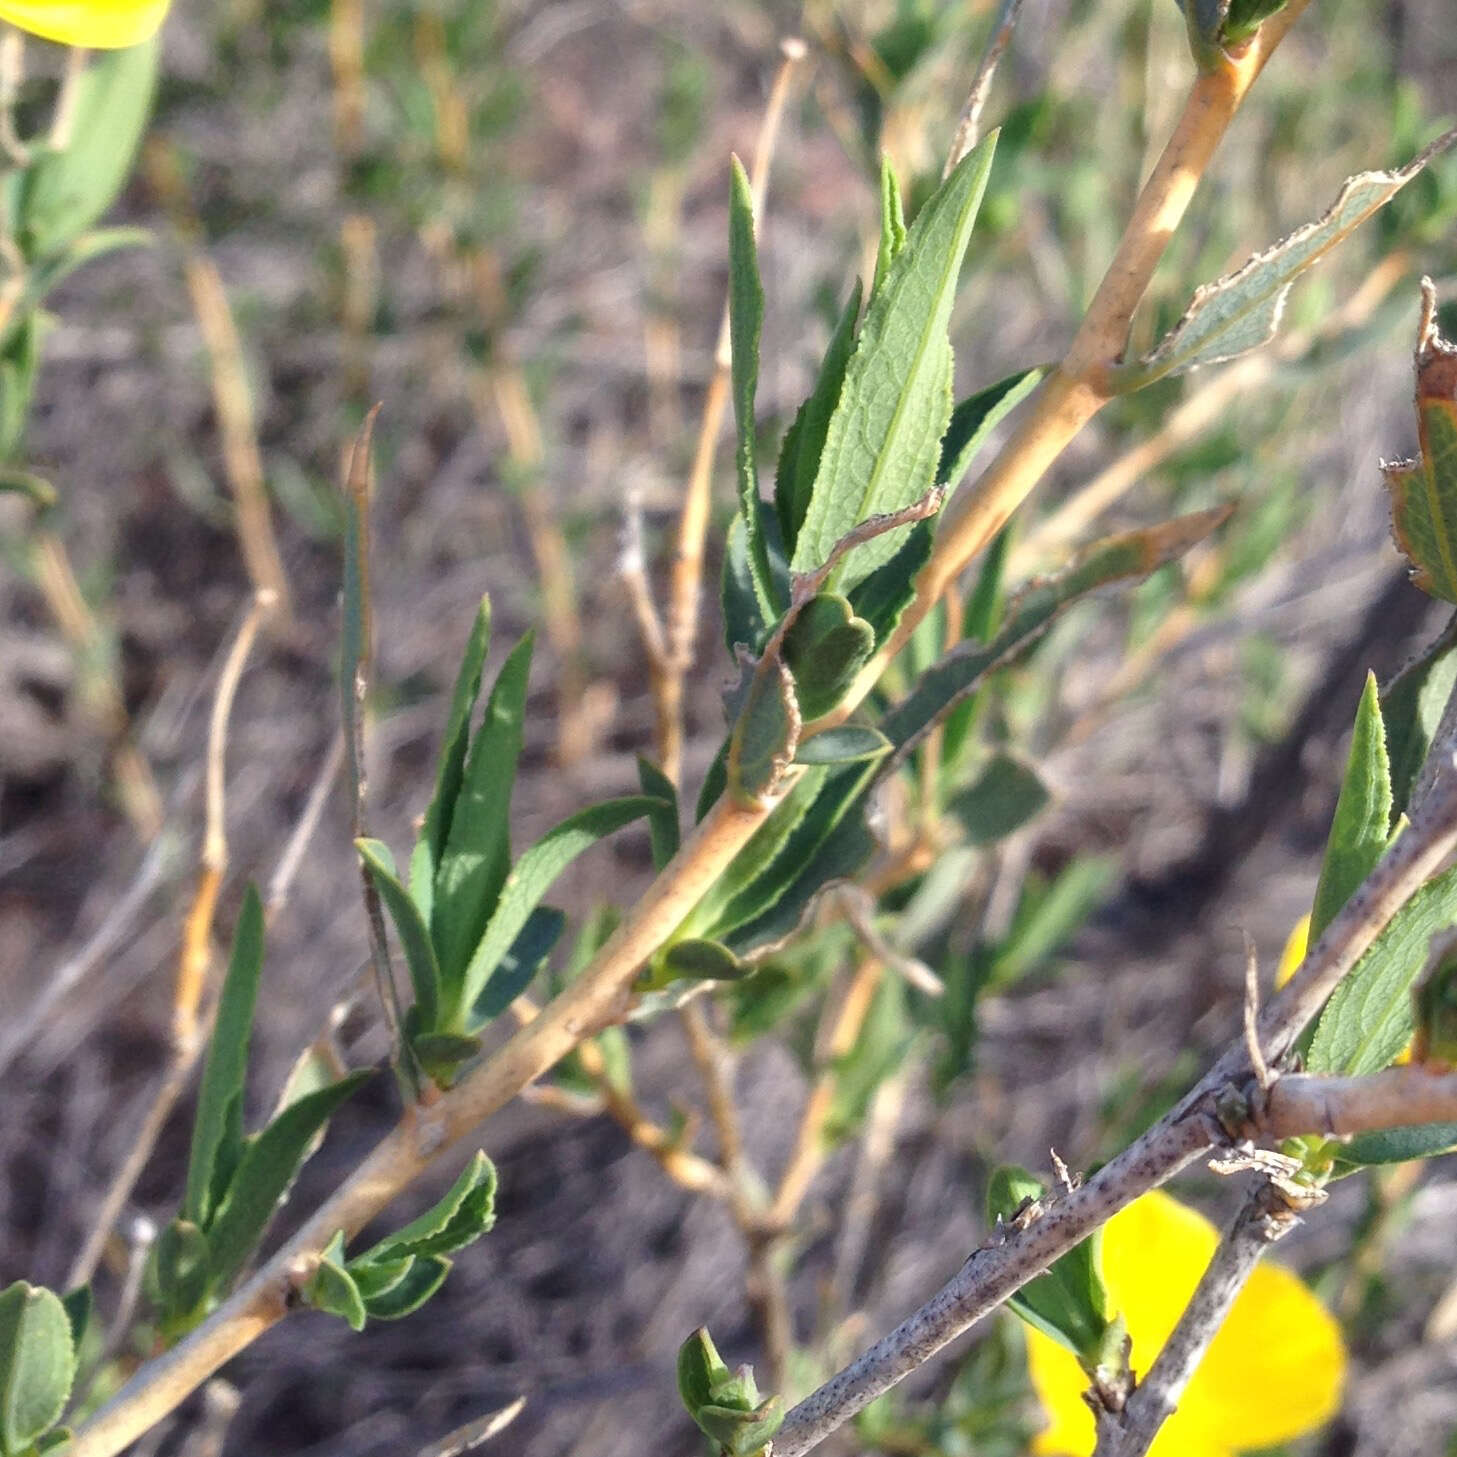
{"points": [[804, 442], [765, 733], [466, 1212], [19, 363], [441, 1054], [373, 1278], [892, 224], [36, 489], [269, 1163], [179, 1266], [1006, 795], [1369, 1018], [885, 594], [696, 960], [450, 770], [662, 823], [331, 1287], [425, 1276], [744, 622], [1047, 914], [974, 419], [533, 875], [477, 854], [523, 959], [1242, 310], [824, 648], [1362, 823], [884, 438], [410, 927], [78, 1304], [849, 744], [1395, 1146], [65, 192], [219, 1122], [1411, 708], [37, 1363], [746, 321], [700, 1370], [1133, 554]]}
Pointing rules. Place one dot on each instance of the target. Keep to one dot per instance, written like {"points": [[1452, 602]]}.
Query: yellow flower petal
{"points": [[103, 24], [1294, 953], [1273, 1371]]}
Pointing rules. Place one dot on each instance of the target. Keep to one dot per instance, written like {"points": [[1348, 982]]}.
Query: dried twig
{"points": [[1400, 1097], [968, 124], [303, 831]]}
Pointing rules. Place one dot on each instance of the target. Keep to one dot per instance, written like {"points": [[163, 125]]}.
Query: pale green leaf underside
{"points": [[1424, 506], [884, 439], [1242, 310]]}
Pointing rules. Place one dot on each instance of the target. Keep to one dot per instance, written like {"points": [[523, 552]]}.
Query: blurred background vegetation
{"points": [[507, 222]]}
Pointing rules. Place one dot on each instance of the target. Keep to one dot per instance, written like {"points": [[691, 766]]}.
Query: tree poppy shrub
{"points": [[833, 599]]}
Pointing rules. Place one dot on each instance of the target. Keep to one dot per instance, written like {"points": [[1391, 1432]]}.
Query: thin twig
{"points": [[968, 124], [1264, 1218], [472, 1434], [303, 831], [681, 616], [1252, 1015]]}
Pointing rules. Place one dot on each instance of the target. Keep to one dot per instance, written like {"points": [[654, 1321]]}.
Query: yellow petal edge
{"points": [[1274, 1371], [102, 24]]}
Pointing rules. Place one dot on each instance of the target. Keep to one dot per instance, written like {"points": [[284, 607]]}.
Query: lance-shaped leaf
{"points": [[1242, 310], [178, 1269], [663, 823], [1362, 822], [466, 1212], [1369, 1018], [696, 960], [974, 419], [765, 733], [804, 441], [523, 959], [37, 1364], [849, 744], [477, 854], [1411, 708], [269, 1163], [1004, 796], [64, 192], [531, 878], [1395, 1146], [884, 439], [1128, 556], [1424, 491], [746, 322], [217, 1133], [411, 928], [450, 770], [423, 1278], [331, 1287], [892, 224]]}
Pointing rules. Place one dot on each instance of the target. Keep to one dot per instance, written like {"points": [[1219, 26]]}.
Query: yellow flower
{"points": [[103, 24], [1296, 946], [1273, 1372]]}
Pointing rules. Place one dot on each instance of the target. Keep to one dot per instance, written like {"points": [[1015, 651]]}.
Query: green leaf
{"points": [[765, 733], [804, 442], [974, 419], [1246, 16], [178, 1268], [885, 594], [425, 1276], [1395, 1146], [1362, 823], [78, 1304], [47, 275], [1369, 1018], [849, 744], [1242, 310], [1006, 795], [217, 1132], [663, 823], [531, 878], [1411, 708], [269, 1163], [883, 444], [892, 224], [465, 1213], [725, 1405], [477, 854], [744, 622], [879, 1050], [410, 927], [1048, 913], [746, 321], [698, 960], [1131, 555], [1070, 1302], [373, 1278], [825, 647], [523, 959], [441, 1054], [19, 362], [331, 1288], [700, 1370], [450, 770], [36, 489], [65, 192], [37, 1363]]}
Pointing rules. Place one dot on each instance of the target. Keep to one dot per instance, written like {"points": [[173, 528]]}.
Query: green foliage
{"points": [[726, 1405], [37, 1365], [883, 441]]}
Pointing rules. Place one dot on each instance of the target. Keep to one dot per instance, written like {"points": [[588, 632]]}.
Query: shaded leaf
{"points": [[698, 960], [37, 1363], [441, 1054], [450, 768], [974, 419], [179, 1265], [465, 1213], [217, 1132], [531, 878], [663, 823], [1411, 709], [1005, 796], [269, 1163], [425, 1276], [1361, 826], [825, 647], [765, 733], [744, 622], [884, 439], [849, 744], [410, 927], [521, 962], [331, 1287], [1395, 1146]]}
